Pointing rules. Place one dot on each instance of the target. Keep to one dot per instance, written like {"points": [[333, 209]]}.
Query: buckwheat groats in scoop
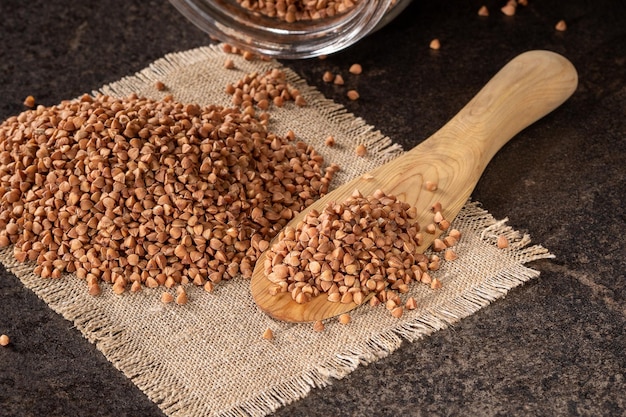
{"points": [[351, 250]]}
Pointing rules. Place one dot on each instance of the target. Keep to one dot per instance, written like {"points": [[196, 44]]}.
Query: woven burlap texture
{"points": [[207, 358]]}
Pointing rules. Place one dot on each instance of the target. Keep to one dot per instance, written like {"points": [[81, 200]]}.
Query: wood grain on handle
{"points": [[523, 91]]}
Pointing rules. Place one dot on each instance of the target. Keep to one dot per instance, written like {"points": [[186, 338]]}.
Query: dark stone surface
{"points": [[552, 347]]}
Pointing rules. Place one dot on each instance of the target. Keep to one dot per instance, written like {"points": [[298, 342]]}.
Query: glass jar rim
{"points": [[231, 23]]}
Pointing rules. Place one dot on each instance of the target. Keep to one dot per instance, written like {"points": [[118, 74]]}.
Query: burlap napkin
{"points": [[207, 358]]}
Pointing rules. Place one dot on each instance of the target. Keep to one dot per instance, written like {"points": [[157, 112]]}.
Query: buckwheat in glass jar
{"points": [[290, 28]]}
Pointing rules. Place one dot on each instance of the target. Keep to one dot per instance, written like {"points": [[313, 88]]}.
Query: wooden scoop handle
{"points": [[526, 89], [522, 92]]}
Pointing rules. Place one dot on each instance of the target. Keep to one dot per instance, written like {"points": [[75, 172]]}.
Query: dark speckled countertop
{"points": [[555, 346]]}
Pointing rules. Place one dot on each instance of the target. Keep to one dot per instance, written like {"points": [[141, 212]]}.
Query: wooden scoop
{"points": [[526, 89]]}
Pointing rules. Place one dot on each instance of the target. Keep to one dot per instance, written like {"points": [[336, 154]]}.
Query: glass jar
{"points": [[230, 22]]}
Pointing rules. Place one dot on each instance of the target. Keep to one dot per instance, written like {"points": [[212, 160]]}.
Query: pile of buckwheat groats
{"points": [[138, 192]]}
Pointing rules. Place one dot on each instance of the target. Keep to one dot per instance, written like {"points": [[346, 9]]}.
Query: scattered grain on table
{"points": [[356, 69], [181, 296], [455, 234], [411, 304], [397, 312], [229, 63], [345, 318], [509, 8], [247, 55], [29, 101], [436, 284], [450, 241], [353, 95], [318, 326], [450, 255]]}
